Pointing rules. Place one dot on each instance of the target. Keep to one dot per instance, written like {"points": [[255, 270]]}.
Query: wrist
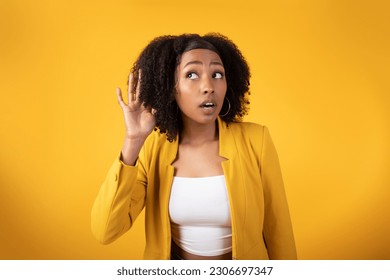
{"points": [[131, 148], [134, 140]]}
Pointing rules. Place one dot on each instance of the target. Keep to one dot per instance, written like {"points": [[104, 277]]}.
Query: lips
{"points": [[208, 104]]}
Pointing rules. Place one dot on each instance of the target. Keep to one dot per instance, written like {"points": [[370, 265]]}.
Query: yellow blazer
{"points": [[261, 225]]}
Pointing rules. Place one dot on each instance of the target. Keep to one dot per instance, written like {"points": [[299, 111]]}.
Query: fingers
{"points": [[119, 97], [132, 106], [137, 90], [130, 94], [133, 93]]}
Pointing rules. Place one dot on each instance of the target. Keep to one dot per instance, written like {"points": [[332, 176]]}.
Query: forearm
{"points": [[118, 203], [130, 150]]}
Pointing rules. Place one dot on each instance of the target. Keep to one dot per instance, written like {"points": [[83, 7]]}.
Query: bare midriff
{"points": [[188, 256]]}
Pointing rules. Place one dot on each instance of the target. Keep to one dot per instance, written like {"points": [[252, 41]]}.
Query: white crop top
{"points": [[200, 215]]}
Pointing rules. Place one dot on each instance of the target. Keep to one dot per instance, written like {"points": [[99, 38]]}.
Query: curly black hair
{"points": [[158, 62]]}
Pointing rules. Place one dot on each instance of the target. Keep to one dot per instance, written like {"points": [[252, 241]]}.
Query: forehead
{"points": [[201, 55]]}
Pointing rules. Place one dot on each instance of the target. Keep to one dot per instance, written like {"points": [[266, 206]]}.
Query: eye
{"points": [[218, 75], [192, 75]]}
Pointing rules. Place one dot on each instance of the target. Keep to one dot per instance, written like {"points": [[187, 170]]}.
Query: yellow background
{"points": [[320, 82]]}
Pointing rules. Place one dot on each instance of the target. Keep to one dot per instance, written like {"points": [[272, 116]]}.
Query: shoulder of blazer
{"points": [[157, 146], [248, 138], [155, 139], [247, 131]]}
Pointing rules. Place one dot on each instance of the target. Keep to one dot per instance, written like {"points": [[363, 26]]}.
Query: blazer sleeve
{"points": [[277, 231], [120, 200]]}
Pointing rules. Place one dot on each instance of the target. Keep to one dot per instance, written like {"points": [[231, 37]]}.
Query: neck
{"points": [[199, 133]]}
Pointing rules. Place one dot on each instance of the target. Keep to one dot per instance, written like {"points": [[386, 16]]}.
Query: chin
{"points": [[203, 120]]}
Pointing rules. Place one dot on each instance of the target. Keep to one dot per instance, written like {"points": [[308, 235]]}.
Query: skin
{"points": [[200, 79], [139, 122]]}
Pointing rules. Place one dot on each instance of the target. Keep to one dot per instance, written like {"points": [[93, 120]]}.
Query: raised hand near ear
{"points": [[139, 120]]}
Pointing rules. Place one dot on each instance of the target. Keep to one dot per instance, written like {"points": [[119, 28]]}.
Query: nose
{"points": [[207, 85]]}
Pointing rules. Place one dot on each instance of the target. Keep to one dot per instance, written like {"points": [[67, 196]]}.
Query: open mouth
{"points": [[208, 105]]}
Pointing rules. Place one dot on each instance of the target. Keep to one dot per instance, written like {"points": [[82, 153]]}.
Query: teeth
{"points": [[209, 104]]}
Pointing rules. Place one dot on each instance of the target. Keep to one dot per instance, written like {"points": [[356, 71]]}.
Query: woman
{"points": [[211, 184]]}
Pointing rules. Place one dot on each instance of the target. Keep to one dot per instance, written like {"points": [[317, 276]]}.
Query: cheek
{"points": [[223, 89], [182, 97], [183, 87]]}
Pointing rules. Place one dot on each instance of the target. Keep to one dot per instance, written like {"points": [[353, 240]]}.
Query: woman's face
{"points": [[201, 86]]}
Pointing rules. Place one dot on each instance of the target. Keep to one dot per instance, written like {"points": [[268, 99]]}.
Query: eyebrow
{"points": [[199, 62]]}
